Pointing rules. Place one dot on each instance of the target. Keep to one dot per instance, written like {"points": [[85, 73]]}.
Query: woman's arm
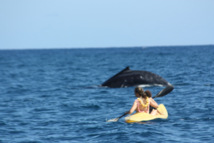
{"points": [[134, 107], [153, 103]]}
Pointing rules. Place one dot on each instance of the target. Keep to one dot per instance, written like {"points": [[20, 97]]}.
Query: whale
{"points": [[127, 78]]}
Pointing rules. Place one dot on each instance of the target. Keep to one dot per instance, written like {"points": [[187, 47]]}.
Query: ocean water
{"points": [[54, 95]]}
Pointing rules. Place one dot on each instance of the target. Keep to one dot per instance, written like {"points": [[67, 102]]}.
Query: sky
{"points": [[40, 24]]}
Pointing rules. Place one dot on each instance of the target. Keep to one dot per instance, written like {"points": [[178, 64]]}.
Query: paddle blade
{"points": [[165, 91], [116, 119], [113, 120]]}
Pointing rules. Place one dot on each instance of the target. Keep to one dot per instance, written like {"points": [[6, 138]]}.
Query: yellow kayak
{"points": [[139, 117]]}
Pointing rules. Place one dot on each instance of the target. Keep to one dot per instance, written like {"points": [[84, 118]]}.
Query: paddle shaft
{"points": [[123, 115]]}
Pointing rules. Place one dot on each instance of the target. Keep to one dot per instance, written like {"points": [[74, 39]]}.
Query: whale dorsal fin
{"points": [[124, 70]]}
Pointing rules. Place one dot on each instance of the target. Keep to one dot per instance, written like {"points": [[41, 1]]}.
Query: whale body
{"points": [[127, 78]]}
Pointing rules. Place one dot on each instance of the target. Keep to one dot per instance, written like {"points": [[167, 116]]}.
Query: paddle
{"points": [[116, 119], [162, 93]]}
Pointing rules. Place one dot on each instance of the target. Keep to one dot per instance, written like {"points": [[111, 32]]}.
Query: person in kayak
{"points": [[143, 102]]}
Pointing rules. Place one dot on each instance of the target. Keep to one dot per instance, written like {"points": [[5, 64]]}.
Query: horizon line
{"points": [[109, 47]]}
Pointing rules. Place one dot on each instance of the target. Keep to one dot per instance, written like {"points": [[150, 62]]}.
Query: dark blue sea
{"points": [[51, 96]]}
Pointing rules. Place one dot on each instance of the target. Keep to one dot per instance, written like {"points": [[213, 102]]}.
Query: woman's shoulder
{"points": [[137, 100]]}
